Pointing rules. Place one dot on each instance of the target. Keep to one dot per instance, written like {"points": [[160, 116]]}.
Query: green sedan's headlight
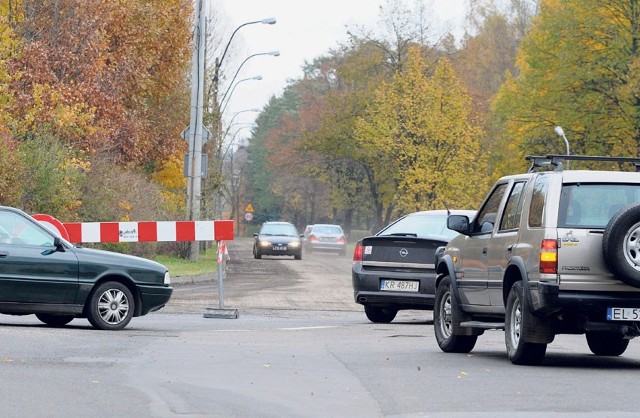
{"points": [[167, 278], [265, 244]]}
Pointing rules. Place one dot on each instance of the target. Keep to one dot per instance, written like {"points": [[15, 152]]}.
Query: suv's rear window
{"points": [[592, 205]]}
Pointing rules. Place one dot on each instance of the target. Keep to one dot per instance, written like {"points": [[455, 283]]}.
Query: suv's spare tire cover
{"points": [[621, 245]]}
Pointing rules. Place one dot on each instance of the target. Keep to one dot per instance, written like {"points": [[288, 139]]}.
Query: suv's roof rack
{"points": [[556, 160]]}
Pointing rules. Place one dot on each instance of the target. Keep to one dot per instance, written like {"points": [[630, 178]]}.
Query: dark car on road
{"points": [[277, 238], [326, 237], [395, 269], [42, 274]]}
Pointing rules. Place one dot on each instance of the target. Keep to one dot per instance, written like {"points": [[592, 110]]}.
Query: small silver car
{"points": [[326, 237]]}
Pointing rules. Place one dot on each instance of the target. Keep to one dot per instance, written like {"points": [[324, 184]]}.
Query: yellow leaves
{"points": [[171, 177], [418, 136], [171, 173]]}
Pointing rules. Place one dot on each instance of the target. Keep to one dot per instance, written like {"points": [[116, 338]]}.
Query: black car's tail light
{"points": [[358, 253]]}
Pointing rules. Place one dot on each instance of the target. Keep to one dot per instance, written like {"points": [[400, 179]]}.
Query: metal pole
{"points": [[195, 126], [221, 273], [221, 312]]}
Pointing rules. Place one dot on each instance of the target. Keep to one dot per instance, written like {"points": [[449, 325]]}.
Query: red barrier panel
{"points": [[150, 231]]}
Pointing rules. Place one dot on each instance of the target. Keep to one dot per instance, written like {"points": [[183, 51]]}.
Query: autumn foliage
{"points": [[103, 80]]}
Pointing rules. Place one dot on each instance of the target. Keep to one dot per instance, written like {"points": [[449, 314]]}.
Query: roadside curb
{"points": [[180, 280]]}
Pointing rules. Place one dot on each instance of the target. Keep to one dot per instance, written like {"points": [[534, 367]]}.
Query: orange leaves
{"points": [[103, 76]]}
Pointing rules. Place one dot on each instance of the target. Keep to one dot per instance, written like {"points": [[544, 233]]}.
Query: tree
{"points": [[578, 69], [104, 78], [418, 138]]}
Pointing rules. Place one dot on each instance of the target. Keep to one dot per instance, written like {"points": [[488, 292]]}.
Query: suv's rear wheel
{"points": [[621, 245], [380, 315], [445, 305], [519, 351], [606, 343]]}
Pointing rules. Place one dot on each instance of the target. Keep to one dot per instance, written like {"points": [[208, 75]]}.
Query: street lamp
{"points": [[267, 21], [230, 91], [218, 63], [272, 53], [233, 138], [560, 133], [242, 111]]}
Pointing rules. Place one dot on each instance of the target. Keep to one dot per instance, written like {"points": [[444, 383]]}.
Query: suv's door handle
{"points": [[484, 251], [3, 254], [510, 248]]}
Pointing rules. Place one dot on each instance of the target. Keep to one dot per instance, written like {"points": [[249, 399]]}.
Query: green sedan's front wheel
{"points": [[111, 306]]}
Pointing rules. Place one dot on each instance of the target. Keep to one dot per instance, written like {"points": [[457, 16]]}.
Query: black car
{"points": [[395, 269], [278, 238], [42, 274]]}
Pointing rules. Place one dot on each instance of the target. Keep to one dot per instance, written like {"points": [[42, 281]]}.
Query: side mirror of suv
{"points": [[458, 223]]}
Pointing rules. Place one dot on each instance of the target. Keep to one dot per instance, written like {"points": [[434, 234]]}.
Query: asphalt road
{"points": [[320, 281], [300, 347]]}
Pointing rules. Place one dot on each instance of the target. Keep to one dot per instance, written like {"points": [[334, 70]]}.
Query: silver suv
{"points": [[549, 252]]}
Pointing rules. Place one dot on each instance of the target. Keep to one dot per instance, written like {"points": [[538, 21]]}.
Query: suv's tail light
{"points": [[549, 256], [313, 238], [358, 253]]}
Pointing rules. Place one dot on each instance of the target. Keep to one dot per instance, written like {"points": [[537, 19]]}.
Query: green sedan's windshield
{"points": [[17, 230]]}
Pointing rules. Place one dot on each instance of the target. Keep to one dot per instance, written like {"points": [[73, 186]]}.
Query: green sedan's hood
{"points": [[95, 263]]}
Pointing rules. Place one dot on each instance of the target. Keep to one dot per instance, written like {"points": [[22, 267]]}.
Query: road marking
{"points": [[303, 328]]}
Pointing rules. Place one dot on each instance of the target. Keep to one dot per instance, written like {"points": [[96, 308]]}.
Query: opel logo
{"points": [[404, 252]]}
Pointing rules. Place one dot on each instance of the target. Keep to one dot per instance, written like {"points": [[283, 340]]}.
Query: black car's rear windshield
{"points": [[423, 225], [592, 205], [279, 229]]}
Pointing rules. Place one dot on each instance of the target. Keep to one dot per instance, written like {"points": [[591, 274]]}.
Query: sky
{"points": [[304, 30]]}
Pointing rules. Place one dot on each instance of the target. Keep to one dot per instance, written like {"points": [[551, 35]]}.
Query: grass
{"points": [[178, 267]]}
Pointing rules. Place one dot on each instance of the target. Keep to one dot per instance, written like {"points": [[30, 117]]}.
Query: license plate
{"points": [[399, 285], [279, 248], [623, 314]]}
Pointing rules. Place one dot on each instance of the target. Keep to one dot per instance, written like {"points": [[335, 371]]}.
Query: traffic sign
{"points": [[249, 208], [248, 216]]}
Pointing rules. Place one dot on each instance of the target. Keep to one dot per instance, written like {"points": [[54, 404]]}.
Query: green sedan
{"points": [[43, 274]]}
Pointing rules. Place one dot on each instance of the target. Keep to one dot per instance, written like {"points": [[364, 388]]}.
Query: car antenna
{"points": [[448, 211]]}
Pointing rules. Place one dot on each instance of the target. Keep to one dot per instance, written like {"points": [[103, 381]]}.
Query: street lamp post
{"points": [[221, 157], [194, 158], [218, 63], [272, 53], [230, 91]]}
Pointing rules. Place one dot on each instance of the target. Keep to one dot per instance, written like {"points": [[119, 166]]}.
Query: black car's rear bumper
{"points": [[366, 289]]}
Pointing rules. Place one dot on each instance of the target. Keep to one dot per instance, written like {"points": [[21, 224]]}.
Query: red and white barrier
{"points": [[141, 231], [149, 231]]}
